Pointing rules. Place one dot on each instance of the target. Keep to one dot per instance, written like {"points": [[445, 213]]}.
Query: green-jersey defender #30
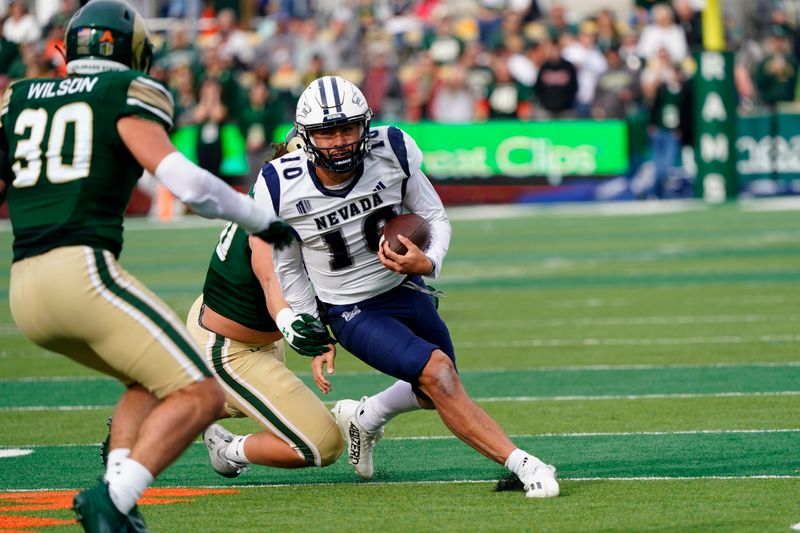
{"points": [[72, 174]]}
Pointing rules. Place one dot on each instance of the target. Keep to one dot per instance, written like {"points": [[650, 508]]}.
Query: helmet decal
{"points": [[107, 35]]}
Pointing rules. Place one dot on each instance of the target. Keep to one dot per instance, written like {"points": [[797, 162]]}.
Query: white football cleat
{"points": [[359, 441], [217, 439], [538, 479]]}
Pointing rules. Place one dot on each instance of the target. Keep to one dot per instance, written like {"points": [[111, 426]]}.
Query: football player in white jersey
{"points": [[337, 193]]}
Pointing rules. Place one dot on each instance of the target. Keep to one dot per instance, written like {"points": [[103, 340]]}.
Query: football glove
{"points": [[307, 335], [278, 234]]}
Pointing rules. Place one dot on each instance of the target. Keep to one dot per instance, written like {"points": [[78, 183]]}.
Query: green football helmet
{"points": [[107, 35]]}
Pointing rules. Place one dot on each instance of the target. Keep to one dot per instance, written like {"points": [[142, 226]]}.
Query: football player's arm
{"points": [[307, 335], [421, 198], [287, 264], [205, 193], [295, 285]]}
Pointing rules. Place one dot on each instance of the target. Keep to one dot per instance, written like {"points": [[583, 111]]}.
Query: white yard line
{"points": [[630, 321], [633, 396], [514, 371], [484, 399], [664, 341]]}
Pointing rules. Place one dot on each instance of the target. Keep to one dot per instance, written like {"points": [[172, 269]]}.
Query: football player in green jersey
{"points": [[73, 151], [233, 321]]}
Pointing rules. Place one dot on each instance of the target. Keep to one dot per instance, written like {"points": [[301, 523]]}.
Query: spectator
{"points": [[209, 114], [382, 87], [340, 44], [184, 94], [608, 33], [489, 26], [627, 48], [776, 75], [618, 90], [315, 69], [283, 83], [663, 33], [21, 26], [66, 8], [53, 47], [9, 53], [279, 48], [556, 86], [306, 32], [258, 120], [664, 89], [29, 63], [506, 98], [557, 23], [690, 22], [231, 42], [442, 45], [178, 49], [418, 89], [220, 67], [476, 65], [452, 102], [590, 64]]}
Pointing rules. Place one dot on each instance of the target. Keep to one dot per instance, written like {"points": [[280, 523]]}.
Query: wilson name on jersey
{"points": [[340, 229], [72, 176]]}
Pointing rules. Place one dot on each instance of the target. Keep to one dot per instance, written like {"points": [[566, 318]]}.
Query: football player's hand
{"points": [[306, 334], [278, 234], [318, 363], [413, 262]]}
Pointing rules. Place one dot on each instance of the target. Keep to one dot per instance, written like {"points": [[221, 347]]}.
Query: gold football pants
{"points": [[258, 385], [78, 301]]}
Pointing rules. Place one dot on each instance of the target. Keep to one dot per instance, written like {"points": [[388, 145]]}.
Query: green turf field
{"points": [[654, 358]]}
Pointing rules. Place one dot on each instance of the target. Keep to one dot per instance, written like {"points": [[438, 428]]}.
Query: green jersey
{"points": [[72, 176], [231, 288]]}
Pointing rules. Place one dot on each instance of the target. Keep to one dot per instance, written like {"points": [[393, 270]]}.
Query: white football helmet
{"points": [[333, 101]]}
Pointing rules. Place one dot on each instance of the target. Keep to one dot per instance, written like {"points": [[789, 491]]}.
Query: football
{"points": [[410, 225]]}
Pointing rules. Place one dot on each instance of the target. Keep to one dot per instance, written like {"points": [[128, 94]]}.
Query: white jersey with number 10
{"points": [[339, 229]]}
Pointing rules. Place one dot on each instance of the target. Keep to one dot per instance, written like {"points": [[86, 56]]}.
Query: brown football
{"points": [[410, 225]]}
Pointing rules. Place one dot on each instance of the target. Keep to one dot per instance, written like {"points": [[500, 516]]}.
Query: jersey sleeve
{"points": [[421, 198], [148, 99], [414, 154], [405, 149]]}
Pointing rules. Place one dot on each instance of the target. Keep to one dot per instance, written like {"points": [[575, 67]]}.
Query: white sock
{"points": [[126, 483], [379, 409], [235, 450], [117, 455], [520, 458]]}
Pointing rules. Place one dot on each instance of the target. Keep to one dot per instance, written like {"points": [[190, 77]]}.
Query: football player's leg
{"points": [[377, 337], [298, 429], [112, 322], [146, 341], [440, 381], [132, 408]]}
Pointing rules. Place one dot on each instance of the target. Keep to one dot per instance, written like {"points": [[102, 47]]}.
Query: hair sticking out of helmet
{"points": [[328, 102], [106, 35]]}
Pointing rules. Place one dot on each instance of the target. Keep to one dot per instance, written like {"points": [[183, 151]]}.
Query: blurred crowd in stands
{"points": [[245, 62]]}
